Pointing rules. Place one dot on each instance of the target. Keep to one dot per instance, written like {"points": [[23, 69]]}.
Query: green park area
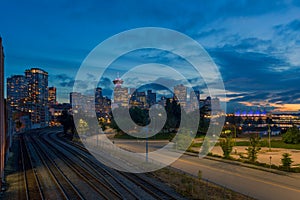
{"points": [[280, 152]]}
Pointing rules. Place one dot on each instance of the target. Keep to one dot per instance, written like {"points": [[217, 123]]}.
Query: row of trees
{"points": [[174, 116], [226, 143]]}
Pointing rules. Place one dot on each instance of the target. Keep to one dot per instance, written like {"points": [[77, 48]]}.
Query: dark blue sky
{"points": [[256, 44]]}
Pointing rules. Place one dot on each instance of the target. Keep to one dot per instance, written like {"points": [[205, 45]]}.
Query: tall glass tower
{"points": [[37, 102]]}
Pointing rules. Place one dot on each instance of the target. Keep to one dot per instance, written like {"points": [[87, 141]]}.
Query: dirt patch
{"points": [[195, 188]]}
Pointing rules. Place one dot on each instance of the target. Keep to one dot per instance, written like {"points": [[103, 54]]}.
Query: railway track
{"points": [[98, 172], [68, 190], [32, 184], [152, 189], [74, 173], [96, 183]]}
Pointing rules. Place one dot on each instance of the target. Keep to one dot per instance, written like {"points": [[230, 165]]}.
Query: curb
{"points": [[240, 164]]}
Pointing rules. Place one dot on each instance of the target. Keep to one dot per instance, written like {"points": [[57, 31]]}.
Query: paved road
{"points": [[255, 183]]}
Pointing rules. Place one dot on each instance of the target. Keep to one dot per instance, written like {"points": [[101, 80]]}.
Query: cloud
{"points": [[251, 8], [288, 28], [63, 80], [248, 67], [105, 83], [209, 33]]}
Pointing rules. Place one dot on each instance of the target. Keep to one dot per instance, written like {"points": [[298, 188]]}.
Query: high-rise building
{"points": [[151, 98], [102, 104], [98, 100], [194, 100], [52, 96], [141, 97], [37, 103], [75, 100], [17, 92], [180, 94], [121, 97], [2, 115]]}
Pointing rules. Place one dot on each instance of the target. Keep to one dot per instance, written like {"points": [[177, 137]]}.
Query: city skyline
{"points": [[254, 44]]}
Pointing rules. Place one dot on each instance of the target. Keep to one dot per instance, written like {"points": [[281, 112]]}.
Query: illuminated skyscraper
{"points": [[52, 96], [102, 104], [37, 103], [121, 97], [180, 93], [17, 92], [194, 100]]}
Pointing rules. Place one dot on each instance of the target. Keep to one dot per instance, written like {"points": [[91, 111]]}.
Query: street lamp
{"points": [[269, 132], [227, 123], [147, 132]]}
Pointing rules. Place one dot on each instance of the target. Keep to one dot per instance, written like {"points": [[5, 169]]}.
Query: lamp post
{"points": [[147, 132], [227, 123], [269, 132]]}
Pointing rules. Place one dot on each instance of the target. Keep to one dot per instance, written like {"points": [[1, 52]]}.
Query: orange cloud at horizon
{"points": [[288, 107], [277, 107]]}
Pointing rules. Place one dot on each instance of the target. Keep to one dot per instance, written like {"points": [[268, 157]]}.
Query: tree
{"points": [[173, 111], [254, 148], [226, 144], [286, 161], [292, 136], [139, 116], [203, 122], [68, 123]]}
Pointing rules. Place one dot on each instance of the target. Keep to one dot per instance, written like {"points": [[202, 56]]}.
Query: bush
{"points": [[286, 161], [254, 148], [226, 145], [292, 136]]}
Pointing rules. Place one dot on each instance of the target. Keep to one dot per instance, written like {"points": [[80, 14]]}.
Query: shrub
{"points": [[253, 149], [226, 145], [286, 161], [292, 136]]}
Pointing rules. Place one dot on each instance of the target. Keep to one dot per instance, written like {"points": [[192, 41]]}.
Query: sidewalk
{"points": [[240, 164]]}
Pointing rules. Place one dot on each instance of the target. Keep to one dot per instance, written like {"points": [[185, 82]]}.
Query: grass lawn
{"points": [[274, 144], [195, 188], [263, 143]]}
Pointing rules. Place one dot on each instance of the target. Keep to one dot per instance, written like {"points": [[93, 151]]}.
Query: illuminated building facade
{"points": [[151, 98], [56, 111], [102, 104], [194, 100], [180, 93], [121, 97], [52, 96], [17, 92], [285, 120], [37, 102]]}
